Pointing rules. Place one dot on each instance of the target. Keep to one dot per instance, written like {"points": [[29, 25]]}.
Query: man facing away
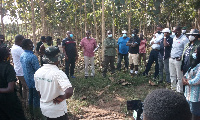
{"points": [[175, 62], [53, 86], [134, 43], [88, 44], [122, 50], [70, 52], [39, 44], [16, 52], [110, 46]]}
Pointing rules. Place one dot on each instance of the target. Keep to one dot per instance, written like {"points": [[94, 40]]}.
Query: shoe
{"points": [[104, 75], [86, 77], [73, 76]]}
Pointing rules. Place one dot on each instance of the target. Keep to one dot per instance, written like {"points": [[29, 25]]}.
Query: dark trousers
{"points": [[41, 61], [107, 60], [11, 107], [153, 57], [120, 57], [64, 117], [70, 62]]}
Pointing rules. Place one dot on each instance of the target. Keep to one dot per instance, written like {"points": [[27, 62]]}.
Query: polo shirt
{"points": [[123, 49], [30, 65], [70, 47], [88, 45], [164, 52], [134, 50], [16, 52], [178, 46], [51, 82]]}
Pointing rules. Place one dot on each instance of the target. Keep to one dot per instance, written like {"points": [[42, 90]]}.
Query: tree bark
{"points": [[103, 28], [42, 12], [33, 22], [2, 15], [113, 24], [129, 19], [85, 16], [95, 22]]}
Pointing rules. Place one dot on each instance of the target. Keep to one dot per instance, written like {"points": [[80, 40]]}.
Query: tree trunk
{"points": [[113, 24], [103, 27], [95, 22], [33, 22], [85, 16], [2, 15], [42, 12], [129, 19], [198, 19]]}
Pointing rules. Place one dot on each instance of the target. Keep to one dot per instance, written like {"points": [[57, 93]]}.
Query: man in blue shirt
{"points": [[30, 65], [123, 50]]}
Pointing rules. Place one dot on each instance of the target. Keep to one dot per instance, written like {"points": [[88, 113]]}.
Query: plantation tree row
{"points": [[55, 17]]}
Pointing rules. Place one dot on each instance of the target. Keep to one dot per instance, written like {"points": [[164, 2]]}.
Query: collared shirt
{"points": [[70, 47], [51, 82], [164, 52], [16, 52], [156, 40], [178, 46], [123, 49], [110, 45], [134, 50], [192, 91], [30, 65], [142, 47], [88, 45]]}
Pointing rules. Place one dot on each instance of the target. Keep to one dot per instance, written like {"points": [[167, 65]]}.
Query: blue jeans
{"points": [[164, 64], [70, 62], [195, 108], [152, 57], [120, 57]]}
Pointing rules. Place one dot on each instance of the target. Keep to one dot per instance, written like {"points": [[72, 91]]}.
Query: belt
{"points": [[175, 58]]}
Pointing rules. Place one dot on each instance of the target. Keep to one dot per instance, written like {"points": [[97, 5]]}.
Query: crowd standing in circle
{"points": [[45, 87]]}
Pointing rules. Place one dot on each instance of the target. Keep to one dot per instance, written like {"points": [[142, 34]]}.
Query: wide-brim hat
{"points": [[193, 32], [51, 55]]}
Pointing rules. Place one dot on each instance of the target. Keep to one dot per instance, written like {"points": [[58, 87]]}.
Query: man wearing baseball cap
{"points": [[53, 86], [164, 55]]}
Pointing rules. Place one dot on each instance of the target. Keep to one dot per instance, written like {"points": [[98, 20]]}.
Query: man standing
{"points": [[16, 52], [53, 86], [110, 46], [30, 65], [164, 55], [2, 40], [42, 41], [155, 42], [70, 52], [88, 44], [179, 43], [123, 50], [134, 44]]}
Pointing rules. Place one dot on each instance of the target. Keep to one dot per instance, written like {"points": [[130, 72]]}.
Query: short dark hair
{"points": [[42, 37], [178, 28], [3, 53], [48, 38], [163, 104], [18, 38], [25, 43], [136, 30], [159, 25]]}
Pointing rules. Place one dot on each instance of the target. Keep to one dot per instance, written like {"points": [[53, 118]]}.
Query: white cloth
{"points": [[16, 51], [51, 82], [156, 40], [176, 75]]}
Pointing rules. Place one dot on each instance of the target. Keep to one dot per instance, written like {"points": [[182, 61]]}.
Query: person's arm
{"points": [[9, 89], [42, 50], [60, 98], [195, 80], [63, 46], [35, 63], [165, 40]]}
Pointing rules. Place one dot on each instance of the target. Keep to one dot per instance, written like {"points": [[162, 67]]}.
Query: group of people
{"points": [[45, 88]]}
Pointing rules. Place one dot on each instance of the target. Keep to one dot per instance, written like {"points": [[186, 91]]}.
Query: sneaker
{"points": [[73, 76], [86, 77], [104, 75]]}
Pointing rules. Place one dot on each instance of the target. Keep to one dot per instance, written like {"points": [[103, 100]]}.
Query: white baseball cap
{"points": [[124, 31], [166, 30]]}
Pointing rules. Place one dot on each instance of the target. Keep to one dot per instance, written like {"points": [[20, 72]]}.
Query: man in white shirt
{"points": [[53, 86], [175, 62], [16, 51], [155, 42]]}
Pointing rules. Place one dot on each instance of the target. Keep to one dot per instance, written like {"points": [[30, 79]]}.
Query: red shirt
{"points": [[88, 45], [142, 47]]}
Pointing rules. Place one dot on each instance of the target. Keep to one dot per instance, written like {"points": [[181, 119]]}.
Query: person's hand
{"points": [[66, 58], [185, 81], [59, 99], [165, 34]]}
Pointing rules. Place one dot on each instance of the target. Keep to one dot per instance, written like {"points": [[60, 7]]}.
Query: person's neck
{"points": [[178, 35]]}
